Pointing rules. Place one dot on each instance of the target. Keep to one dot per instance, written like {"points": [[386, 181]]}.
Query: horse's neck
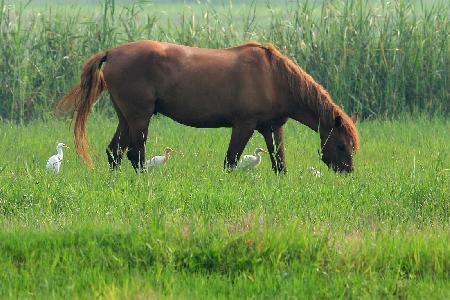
{"points": [[306, 117], [296, 99], [309, 116]]}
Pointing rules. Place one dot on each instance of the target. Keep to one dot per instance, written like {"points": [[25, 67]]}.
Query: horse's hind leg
{"points": [[118, 145], [138, 118], [119, 142], [138, 134], [240, 135]]}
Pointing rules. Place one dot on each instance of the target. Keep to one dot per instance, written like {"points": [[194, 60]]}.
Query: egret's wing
{"points": [[156, 161], [149, 163], [247, 161], [159, 160], [53, 163]]}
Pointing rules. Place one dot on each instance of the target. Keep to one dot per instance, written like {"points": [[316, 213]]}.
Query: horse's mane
{"points": [[311, 93]]}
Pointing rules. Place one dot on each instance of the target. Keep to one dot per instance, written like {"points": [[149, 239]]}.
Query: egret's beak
{"points": [[65, 146], [264, 151]]}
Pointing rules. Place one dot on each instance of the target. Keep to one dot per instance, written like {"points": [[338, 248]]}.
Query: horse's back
{"points": [[149, 57], [194, 86]]}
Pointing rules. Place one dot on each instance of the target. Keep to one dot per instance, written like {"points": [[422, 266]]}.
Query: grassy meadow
{"points": [[192, 231]]}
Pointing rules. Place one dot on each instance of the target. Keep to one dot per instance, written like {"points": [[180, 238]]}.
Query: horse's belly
{"points": [[203, 123], [193, 116]]}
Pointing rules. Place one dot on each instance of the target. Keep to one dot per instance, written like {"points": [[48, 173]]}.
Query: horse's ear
{"points": [[338, 121], [355, 117]]}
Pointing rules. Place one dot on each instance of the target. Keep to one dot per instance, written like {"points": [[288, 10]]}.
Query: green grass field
{"points": [[190, 230]]}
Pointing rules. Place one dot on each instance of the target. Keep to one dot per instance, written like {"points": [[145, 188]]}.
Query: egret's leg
{"points": [[240, 135]]}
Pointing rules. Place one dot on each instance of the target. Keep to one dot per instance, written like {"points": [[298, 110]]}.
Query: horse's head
{"points": [[339, 142]]}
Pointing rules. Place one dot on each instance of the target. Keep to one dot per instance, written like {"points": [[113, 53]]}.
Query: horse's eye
{"points": [[341, 147]]}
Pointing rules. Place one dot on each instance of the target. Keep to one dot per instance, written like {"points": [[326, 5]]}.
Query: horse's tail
{"points": [[81, 99]]}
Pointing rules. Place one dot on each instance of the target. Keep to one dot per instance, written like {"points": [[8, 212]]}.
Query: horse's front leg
{"points": [[275, 146], [240, 135], [278, 134], [268, 137], [120, 140]]}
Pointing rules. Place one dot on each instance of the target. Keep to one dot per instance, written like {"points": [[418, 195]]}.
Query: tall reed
{"points": [[379, 58]]}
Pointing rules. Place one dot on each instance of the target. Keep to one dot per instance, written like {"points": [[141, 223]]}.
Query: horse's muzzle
{"points": [[341, 168]]}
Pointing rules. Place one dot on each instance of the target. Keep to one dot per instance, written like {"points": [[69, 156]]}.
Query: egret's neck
{"points": [[166, 156], [258, 157], [60, 153]]}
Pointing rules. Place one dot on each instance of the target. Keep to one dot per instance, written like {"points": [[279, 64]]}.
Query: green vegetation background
{"points": [[379, 58]]}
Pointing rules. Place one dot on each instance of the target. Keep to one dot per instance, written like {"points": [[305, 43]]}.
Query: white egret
{"points": [[159, 160], [251, 161], [315, 172], [54, 162]]}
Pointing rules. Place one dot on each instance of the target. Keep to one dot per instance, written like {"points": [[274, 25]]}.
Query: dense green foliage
{"points": [[142, 264], [375, 57], [191, 230]]}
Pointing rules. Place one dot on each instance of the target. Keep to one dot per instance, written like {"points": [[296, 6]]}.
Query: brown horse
{"points": [[250, 87]]}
